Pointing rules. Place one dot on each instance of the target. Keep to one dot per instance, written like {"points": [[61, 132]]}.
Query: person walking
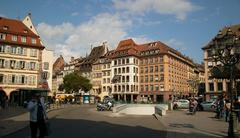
{"points": [[227, 109], [38, 116]]}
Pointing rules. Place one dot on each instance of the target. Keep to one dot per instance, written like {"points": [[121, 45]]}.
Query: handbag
{"points": [[48, 130]]}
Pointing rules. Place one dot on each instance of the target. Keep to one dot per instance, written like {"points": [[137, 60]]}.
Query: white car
{"points": [[181, 103]]}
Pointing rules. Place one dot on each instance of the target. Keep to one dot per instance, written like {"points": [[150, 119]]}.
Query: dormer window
{"points": [[34, 41], [25, 31], [2, 36], [14, 38], [5, 27]]}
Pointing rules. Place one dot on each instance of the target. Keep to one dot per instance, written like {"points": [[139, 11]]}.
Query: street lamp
{"points": [[226, 50]]}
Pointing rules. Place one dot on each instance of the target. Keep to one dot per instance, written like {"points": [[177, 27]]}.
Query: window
{"points": [[123, 78], [156, 87], [146, 78], [151, 87], [22, 79], [32, 65], [13, 79], [14, 38], [127, 88], [46, 65], [127, 60], [161, 68], [1, 63], [33, 52], [119, 70], [1, 78], [146, 69], [123, 70], [2, 36], [108, 80], [14, 50], [156, 68], [34, 41], [23, 39], [119, 61], [211, 87], [156, 60], [220, 86], [161, 77], [104, 80], [151, 68], [146, 87], [127, 78], [115, 62], [123, 61], [127, 69], [151, 78], [2, 48], [160, 59], [115, 71], [12, 63]]}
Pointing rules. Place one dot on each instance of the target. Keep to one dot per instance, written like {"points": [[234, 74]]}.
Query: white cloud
{"points": [[74, 14], [176, 44], [75, 40], [179, 8]]}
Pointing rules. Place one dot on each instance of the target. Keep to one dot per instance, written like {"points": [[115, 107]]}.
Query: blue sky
{"points": [[69, 27]]}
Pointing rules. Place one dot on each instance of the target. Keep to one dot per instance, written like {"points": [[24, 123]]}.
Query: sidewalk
{"points": [[202, 125], [16, 119]]}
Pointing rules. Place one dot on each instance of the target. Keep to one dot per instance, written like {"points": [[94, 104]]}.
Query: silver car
{"points": [[209, 105]]}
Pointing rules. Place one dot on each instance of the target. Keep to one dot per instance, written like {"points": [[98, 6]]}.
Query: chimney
{"points": [[72, 58]]}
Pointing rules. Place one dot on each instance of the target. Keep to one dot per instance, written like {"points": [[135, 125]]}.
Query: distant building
{"points": [[101, 77], [151, 72], [47, 70], [20, 57], [57, 77], [217, 87]]}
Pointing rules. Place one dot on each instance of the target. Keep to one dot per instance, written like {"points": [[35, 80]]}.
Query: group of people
{"points": [[223, 108]]}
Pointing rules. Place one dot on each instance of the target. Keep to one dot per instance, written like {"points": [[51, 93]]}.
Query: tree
{"points": [[74, 82]]}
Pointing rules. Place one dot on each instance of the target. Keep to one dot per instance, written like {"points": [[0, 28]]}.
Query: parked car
{"points": [[181, 103], [209, 105]]}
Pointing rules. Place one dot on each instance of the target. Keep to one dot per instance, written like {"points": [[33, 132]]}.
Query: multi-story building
{"points": [[216, 87], [57, 77], [101, 78], [149, 72], [47, 70], [72, 66], [21, 55]]}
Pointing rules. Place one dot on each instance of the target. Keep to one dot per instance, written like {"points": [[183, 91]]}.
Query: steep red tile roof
{"points": [[16, 27]]}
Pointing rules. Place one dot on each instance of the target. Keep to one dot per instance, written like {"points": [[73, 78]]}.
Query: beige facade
{"points": [[20, 56]]}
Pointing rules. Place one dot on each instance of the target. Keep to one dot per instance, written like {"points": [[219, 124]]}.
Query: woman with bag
{"points": [[38, 116]]}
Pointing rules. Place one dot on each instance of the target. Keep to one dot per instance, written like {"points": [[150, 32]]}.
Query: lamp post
{"points": [[226, 50]]}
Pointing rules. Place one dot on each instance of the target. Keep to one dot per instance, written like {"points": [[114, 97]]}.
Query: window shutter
{"points": [[37, 66], [25, 79], [25, 51], [9, 78], [16, 79], [27, 65], [17, 64], [5, 79], [6, 64]]}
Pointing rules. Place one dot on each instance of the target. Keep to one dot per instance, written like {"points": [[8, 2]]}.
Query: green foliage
{"points": [[74, 82]]}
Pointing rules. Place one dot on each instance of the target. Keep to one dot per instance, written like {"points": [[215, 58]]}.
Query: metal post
{"points": [[230, 128]]}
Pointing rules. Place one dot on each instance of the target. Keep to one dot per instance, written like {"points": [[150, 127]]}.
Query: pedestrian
{"points": [[38, 116], [221, 107], [237, 108], [227, 109]]}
